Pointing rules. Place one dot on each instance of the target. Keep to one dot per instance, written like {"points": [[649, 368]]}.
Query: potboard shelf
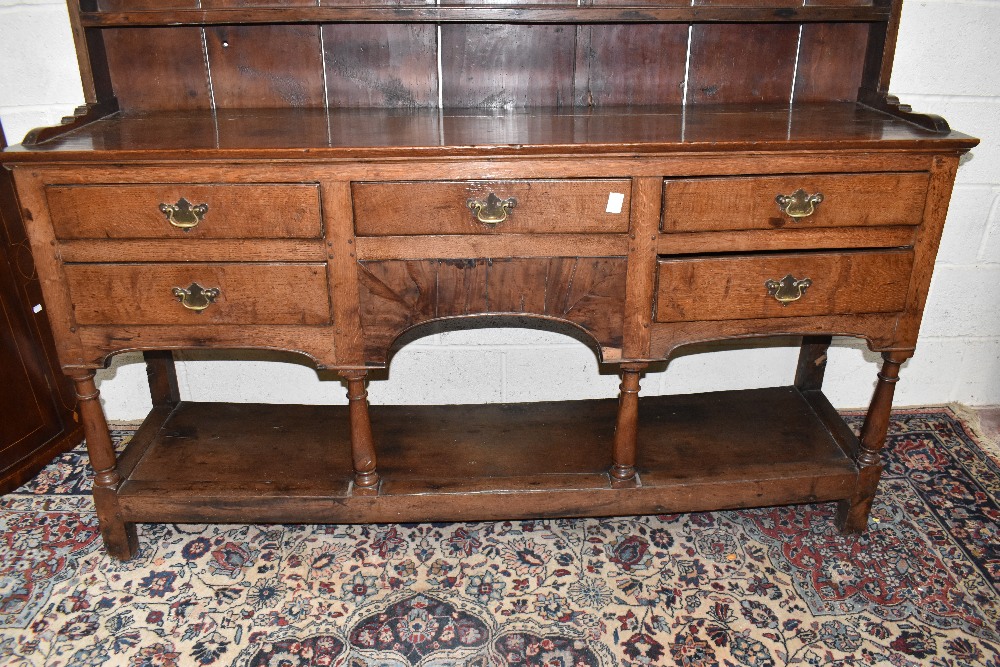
{"points": [[229, 463]]}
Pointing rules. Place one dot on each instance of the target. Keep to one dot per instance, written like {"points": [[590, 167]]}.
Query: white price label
{"points": [[615, 201]]}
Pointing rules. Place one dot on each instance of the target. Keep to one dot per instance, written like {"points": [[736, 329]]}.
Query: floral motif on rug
{"points": [[760, 587]]}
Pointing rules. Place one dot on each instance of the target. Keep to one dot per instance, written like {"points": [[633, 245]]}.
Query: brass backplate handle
{"points": [[799, 204], [493, 211], [183, 215], [787, 289], [196, 297]]}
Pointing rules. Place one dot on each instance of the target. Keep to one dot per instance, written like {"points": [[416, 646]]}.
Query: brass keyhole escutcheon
{"points": [[799, 204], [183, 215], [196, 297], [493, 211], [787, 289]]}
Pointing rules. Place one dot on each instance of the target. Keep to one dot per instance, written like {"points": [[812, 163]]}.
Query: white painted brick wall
{"points": [[946, 63]]}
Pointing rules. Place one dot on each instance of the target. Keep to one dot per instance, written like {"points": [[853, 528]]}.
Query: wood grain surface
{"points": [[563, 448], [725, 288], [541, 206], [249, 293], [411, 133], [849, 200], [126, 211], [586, 291], [337, 143]]}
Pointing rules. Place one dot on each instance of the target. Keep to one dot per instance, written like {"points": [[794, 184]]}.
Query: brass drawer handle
{"points": [[196, 297], [183, 215], [493, 211], [799, 204], [787, 289]]}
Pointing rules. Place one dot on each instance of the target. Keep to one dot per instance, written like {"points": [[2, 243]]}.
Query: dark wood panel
{"points": [[741, 63], [28, 415], [157, 68], [37, 403], [635, 3], [831, 61], [535, 12], [673, 444], [189, 450], [746, 3], [630, 64], [266, 66], [381, 65], [497, 66], [396, 295], [838, 3], [340, 4]]}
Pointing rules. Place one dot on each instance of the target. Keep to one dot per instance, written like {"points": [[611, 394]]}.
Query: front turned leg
{"points": [[626, 428], [852, 513], [120, 538], [362, 443]]}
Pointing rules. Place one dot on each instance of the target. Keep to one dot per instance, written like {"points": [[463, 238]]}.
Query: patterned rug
{"points": [[756, 587]]}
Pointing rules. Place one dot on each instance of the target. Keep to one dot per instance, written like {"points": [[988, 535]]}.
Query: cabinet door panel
{"points": [[36, 400], [28, 415]]}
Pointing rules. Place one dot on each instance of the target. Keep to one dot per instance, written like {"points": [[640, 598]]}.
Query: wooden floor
{"points": [[278, 463]]}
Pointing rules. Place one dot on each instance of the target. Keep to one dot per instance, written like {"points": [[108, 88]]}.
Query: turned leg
{"points": [[812, 363], [852, 513], [162, 378], [119, 537], [626, 428], [362, 443]]}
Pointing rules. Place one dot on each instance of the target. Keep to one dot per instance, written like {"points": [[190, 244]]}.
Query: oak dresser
{"points": [[335, 178]]}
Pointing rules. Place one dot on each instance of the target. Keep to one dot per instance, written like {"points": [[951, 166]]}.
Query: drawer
{"points": [[122, 294], [758, 286], [534, 207], [255, 210], [848, 200]]}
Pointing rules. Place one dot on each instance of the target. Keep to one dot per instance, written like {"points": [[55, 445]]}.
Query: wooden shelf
{"points": [[489, 13], [368, 133], [277, 463]]}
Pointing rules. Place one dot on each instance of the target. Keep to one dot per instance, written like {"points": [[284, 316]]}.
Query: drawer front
{"points": [[599, 206], [180, 210], [122, 294], [750, 287], [847, 200]]}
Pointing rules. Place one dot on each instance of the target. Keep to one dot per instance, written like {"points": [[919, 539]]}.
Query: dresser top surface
{"points": [[374, 133]]}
